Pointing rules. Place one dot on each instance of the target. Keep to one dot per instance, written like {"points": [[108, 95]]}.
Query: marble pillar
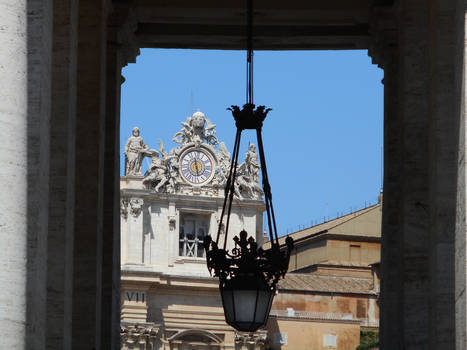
{"points": [[415, 43], [25, 95]]}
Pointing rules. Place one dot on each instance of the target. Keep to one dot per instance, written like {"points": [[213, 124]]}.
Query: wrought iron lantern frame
{"points": [[247, 268]]}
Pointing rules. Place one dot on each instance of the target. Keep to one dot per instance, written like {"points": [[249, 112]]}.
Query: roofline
{"points": [[326, 292], [350, 216], [319, 236]]}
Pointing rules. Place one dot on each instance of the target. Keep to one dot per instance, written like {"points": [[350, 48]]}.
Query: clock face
{"points": [[196, 167]]}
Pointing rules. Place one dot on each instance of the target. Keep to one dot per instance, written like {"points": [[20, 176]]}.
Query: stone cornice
{"points": [[167, 197], [383, 33], [122, 25]]}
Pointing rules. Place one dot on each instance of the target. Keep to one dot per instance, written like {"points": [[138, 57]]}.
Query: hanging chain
{"points": [[249, 59], [248, 118]]}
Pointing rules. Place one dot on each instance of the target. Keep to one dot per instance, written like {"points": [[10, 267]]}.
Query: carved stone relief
{"points": [[196, 129], [256, 340], [136, 205], [124, 207], [172, 223], [139, 336]]}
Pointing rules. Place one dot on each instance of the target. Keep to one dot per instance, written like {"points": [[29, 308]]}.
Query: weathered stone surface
{"points": [[62, 173], [25, 68], [13, 173], [461, 228], [89, 177], [421, 145]]}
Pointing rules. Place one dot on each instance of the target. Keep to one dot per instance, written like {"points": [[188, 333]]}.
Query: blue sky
{"points": [[323, 139]]}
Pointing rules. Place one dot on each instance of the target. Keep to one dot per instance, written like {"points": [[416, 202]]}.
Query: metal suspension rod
{"points": [[249, 97], [232, 184], [267, 191], [228, 185]]}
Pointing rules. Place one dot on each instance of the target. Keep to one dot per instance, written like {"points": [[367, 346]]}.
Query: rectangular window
{"points": [[193, 229], [355, 253], [330, 341]]}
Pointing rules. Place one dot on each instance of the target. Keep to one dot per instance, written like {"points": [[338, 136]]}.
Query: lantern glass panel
{"points": [[246, 302]]}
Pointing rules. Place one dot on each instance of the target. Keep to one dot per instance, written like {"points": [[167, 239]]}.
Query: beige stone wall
{"points": [[303, 256], [360, 306], [357, 253], [309, 334], [354, 252]]}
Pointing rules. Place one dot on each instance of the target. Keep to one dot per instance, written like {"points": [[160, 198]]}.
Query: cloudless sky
{"points": [[323, 139]]}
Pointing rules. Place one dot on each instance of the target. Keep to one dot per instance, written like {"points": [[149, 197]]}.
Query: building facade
{"points": [[61, 62], [332, 289], [167, 293], [170, 301]]}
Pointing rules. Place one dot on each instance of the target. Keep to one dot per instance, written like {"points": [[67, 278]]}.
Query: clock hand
{"points": [[197, 162]]}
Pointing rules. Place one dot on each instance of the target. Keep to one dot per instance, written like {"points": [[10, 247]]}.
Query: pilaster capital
{"points": [[383, 34], [136, 205], [124, 207], [138, 335], [256, 339]]}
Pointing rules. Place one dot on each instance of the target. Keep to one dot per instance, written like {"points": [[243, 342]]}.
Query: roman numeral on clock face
{"points": [[196, 167]]}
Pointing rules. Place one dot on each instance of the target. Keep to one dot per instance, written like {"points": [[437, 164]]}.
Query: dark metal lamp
{"points": [[248, 275]]}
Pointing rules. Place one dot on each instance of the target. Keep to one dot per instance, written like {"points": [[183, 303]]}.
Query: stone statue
{"points": [[251, 163], [197, 129], [157, 173], [245, 187], [164, 176], [220, 177], [246, 181], [160, 171], [135, 149]]}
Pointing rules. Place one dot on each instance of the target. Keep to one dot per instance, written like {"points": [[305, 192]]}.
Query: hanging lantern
{"points": [[248, 275]]}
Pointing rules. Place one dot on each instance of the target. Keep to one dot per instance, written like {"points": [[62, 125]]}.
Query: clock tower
{"points": [[165, 215]]}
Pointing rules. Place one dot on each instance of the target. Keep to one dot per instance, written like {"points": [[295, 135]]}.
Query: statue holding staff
{"points": [[135, 149]]}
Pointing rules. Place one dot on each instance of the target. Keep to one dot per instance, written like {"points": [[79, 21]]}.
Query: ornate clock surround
{"points": [[199, 171]]}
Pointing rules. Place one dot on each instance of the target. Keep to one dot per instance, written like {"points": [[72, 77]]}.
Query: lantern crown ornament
{"points": [[248, 275]]}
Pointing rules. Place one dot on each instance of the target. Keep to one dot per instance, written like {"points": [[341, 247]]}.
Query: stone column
{"points": [[461, 227], [384, 52], [90, 143], [442, 167], [120, 29], [25, 63], [13, 173], [419, 204], [62, 174]]}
